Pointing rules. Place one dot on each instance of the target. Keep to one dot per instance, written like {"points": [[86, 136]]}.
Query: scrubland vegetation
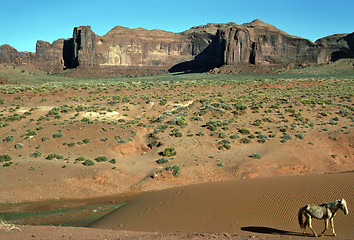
{"points": [[174, 118]]}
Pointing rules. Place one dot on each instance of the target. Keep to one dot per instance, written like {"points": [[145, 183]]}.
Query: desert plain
{"points": [[194, 156]]}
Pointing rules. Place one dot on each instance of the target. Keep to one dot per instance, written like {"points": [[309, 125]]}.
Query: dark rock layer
{"points": [[198, 49]]}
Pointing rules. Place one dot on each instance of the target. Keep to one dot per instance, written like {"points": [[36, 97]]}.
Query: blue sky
{"points": [[23, 22]]}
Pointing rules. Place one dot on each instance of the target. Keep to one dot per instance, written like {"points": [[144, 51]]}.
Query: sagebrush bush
{"points": [[101, 159], [88, 162], [256, 156], [169, 152], [162, 160], [245, 140], [5, 158]]}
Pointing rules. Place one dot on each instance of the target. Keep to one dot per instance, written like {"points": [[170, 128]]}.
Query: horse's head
{"points": [[343, 206]]}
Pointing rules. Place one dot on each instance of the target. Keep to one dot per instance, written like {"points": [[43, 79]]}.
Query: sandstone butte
{"points": [[198, 49]]}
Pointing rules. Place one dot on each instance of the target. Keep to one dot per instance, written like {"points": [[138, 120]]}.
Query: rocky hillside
{"points": [[198, 49]]}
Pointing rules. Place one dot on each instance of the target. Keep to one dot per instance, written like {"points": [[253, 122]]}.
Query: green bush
{"points": [[81, 158], [5, 158], [177, 133], [101, 159], [9, 138], [86, 140], [36, 154], [256, 156], [51, 156], [175, 170], [300, 136], [113, 161], [57, 134], [244, 131], [169, 152], [88, 162], [71, 144], [7, 164], [286, 137], [162, 160], [235, 136], [245, 140]]}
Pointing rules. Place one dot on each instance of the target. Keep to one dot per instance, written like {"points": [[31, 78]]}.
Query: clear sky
{"points": [[23, 22]]}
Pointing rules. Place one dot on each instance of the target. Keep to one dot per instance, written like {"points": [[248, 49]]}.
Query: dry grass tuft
{"points": [[4, 226]]}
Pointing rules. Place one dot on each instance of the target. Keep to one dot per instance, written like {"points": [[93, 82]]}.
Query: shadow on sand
{"points": [[268, 230]]}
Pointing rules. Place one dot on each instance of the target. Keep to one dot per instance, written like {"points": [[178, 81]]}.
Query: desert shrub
{"points": [[31, 132], [18, 146], [5, 158], [235, 136], [51, 156], [9, 138], [154, 143], [200, 134], [163, 102], [45, 139], [162, 160], [286, 137], [300, 136], [101, 159], [224, 144], [256, 156], [169, 152], [36, 154], [244, 131], [86, 140], [113, 161], [177, 133], [222, 135], [213, 125], [80, 158], [88, 162], [104, 139], [57, 134], [245, 140], [86, 120], [175, 170], [71, 144], [220, 164], [7, 164]]}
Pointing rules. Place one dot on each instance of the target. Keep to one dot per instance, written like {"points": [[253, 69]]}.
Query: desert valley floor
{"points": [[193, 156]]}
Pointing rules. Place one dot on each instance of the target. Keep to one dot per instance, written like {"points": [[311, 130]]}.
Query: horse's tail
{"points": [[299, 217]]}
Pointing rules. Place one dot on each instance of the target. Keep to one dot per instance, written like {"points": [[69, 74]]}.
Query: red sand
{"points": [[252, 205], [260, 208]]}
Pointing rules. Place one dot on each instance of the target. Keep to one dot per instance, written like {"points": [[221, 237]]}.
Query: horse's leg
{"points": [[306, 223], [310, 226], [326, 226], [332, 226]]}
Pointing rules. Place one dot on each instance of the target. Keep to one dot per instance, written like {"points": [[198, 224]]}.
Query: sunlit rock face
{"points": [[198, 49]]}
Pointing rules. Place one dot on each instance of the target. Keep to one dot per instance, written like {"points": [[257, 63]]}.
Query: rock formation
{"points": [[198, 49], [8, 54]]}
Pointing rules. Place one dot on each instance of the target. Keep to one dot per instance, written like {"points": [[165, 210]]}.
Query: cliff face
{"points": [[49, 55], [261, 43], [8, 54], [200, 48]]}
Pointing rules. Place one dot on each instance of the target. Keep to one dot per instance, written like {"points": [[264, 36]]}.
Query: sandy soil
{"points": [[245, 201], [260, 208]]}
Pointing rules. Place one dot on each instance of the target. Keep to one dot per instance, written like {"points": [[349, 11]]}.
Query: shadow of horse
{"points": [[268, 230]]}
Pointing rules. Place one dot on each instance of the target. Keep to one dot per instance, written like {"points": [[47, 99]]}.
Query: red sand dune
{"points": [[250, 206]]}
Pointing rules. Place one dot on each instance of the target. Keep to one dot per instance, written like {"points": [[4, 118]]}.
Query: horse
{"points": [[325, 211]]}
